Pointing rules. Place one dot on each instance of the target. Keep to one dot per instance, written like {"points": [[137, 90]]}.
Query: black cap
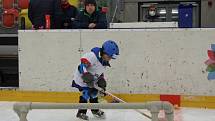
{"points": [[90, 2]]}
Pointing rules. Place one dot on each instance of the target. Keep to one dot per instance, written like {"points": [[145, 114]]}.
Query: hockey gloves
{"points": [[102, 84], [89, 79]]}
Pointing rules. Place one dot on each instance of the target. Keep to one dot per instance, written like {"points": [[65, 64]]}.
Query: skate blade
{"points": [[100, 117], [80, 119]]}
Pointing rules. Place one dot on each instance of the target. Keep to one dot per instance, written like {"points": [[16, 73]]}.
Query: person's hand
{"points": [[88, 78], [102, 84], [66, 24], [92, 25]]}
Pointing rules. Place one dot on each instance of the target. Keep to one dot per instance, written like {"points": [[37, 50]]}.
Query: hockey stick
{"points": [[120, 100]]}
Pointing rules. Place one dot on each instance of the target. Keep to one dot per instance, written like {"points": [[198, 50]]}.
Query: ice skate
{"points": [[99, 114], [82, 116]]}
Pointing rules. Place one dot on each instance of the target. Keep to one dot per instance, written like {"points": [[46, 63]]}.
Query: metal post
{"points": [[22, 110]]}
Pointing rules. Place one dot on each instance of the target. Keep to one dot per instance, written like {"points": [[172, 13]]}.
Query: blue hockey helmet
{"points": [[110, 48]]}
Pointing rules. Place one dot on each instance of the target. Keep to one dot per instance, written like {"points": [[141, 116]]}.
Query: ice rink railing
{"points": [[22, 108]]}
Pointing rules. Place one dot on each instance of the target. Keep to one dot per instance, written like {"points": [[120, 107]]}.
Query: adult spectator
{"points": [[90, 18], [45, 14], [69, 14]]}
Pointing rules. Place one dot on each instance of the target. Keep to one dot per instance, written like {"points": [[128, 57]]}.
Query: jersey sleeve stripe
{"points": [[86, 62]]}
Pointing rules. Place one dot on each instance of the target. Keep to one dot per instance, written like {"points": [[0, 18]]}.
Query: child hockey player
{"points": [[90, 73]]}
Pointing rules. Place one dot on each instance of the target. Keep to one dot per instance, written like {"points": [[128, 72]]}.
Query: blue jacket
{"points": [[84, 19]]}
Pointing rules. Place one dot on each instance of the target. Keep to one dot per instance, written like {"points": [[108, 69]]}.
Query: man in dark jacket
{"points": [[89, 18], [69, 14], [39, 9]]}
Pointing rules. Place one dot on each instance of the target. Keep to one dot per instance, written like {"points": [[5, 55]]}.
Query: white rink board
{"points": [[152, 61], [47, 60], [145, 25]]}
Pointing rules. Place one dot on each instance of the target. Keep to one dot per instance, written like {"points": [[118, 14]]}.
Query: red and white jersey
{"points": [[95, 67]]}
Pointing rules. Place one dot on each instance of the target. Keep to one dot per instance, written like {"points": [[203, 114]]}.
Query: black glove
{"points": [[102, 84], [88, 78]]}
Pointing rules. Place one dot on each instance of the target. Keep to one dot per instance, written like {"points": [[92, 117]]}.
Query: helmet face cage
{"points": [[110, 48]]}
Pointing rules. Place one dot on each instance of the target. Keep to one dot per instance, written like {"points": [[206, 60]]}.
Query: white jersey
{"points": [[96, 68]]}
